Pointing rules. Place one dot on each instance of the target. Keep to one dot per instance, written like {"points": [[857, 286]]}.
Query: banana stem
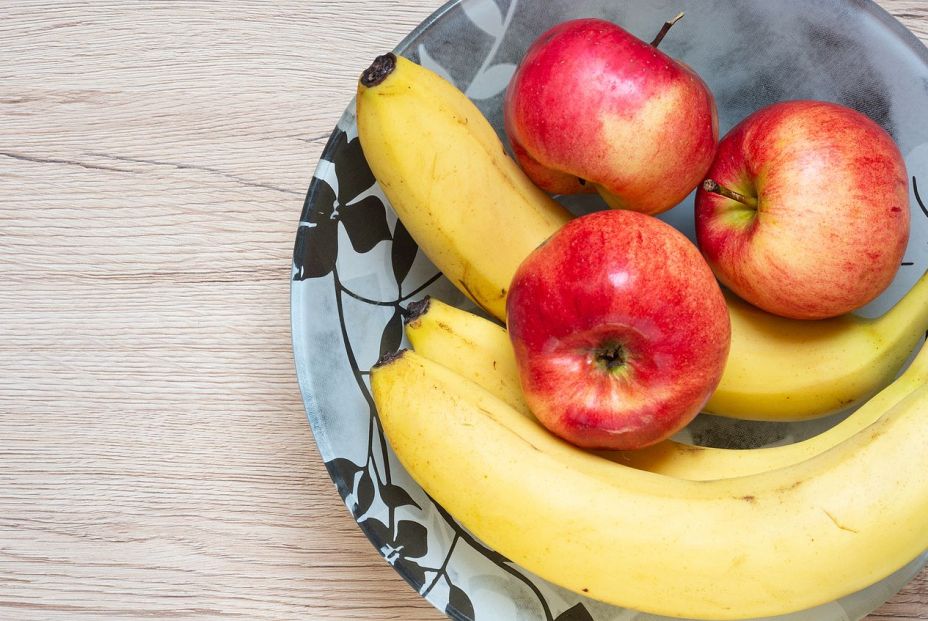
{"points": [[389, 358], [379, 70], [415, 310], [665, 29], [710, 185]]}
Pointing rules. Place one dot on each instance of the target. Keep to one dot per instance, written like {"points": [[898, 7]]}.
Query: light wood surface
{"points": [[155, 460]]}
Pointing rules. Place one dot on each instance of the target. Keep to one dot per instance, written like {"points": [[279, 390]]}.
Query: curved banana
{"points": [[448, 177], [473, 347], [479, 350], [788, 370], [754, 546]]}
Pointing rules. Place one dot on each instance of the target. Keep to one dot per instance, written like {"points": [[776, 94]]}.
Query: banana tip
{"points": [[389, 358], [379, 70], [416, 310]]}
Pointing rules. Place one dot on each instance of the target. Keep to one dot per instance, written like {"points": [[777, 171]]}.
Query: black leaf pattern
{"points": [[403, 252], [365, 222], [411, 570], [317, 238], [378, 532], [354, 175], [392, 333], [365, 494], [412, 539], [577, 613], [395, 496], [918, 197], [459, 605], [343, 472]]}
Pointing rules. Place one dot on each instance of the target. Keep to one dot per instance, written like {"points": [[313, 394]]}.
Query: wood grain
{"points": [[156, 461]]}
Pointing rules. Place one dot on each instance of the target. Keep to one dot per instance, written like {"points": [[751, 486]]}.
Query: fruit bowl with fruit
{"points": [[631, 195]]}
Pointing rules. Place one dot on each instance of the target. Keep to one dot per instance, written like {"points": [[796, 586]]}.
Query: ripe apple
{"points": [[619, 329], [593, 108], [806, 212]]}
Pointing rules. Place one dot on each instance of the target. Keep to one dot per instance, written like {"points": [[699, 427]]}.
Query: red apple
{"points": [[816, 217], [593, 108], [619, 329]]}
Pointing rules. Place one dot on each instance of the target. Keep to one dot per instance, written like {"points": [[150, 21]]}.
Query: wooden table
{"points": [[155, 460]]}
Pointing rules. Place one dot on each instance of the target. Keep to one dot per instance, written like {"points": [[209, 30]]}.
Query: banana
{"points": [[448, 177], [479, 350], [755, 546], [788, 370], [473, 347]]}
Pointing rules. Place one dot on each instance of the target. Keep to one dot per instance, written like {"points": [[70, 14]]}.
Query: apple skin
{"points": [[617, 278], [591, 107], [832, 220]]}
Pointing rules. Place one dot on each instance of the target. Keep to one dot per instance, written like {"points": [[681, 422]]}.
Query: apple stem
{"points": [[611, 357], [710, 185], [665, 29]]}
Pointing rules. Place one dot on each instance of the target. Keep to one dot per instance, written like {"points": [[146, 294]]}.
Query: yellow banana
{"points": [[473, 347], [784, 369], [448, 177], [479, 350], [755, 546]]}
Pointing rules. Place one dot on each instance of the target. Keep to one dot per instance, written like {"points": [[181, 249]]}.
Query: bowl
{"points": [[354, 269]]}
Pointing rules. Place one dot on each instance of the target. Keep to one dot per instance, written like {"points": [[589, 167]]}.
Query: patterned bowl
{"points": [[355, 266]]}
